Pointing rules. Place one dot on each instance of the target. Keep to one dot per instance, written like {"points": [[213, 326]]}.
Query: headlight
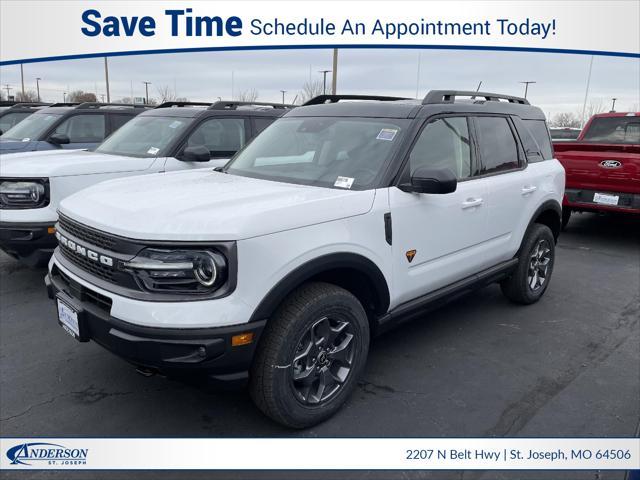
{"points": [[179, 271], [24, 193]]}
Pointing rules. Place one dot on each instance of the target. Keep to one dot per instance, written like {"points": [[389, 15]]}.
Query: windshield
{"points": [[32, 127], [614, 130], [323, 151], [11, 119], [144, 136]]}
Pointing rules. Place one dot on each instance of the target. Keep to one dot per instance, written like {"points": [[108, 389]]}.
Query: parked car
{"points": [[12, 113], [603, 166], [67, 126], [340, 220], [566, 134], [174, 136]]}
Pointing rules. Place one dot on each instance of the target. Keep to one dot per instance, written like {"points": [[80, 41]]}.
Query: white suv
{"points": [[173, 136], [341, 219]]}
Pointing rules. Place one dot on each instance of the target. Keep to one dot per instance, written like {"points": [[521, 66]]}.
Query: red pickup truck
{"points": [[603, 166]]}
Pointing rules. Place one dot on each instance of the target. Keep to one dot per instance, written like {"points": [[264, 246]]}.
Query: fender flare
{"points": [[553, 205], [318, 265]]}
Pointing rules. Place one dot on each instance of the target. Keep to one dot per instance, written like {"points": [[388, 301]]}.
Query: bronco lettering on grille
{"points": [[84, 251]]}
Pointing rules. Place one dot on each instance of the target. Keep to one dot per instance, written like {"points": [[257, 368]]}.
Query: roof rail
{"points": [[233, 105], [30, 104], [64, 104], [7, 103], [183, 104], [449, 96], [320, 99], [101, 105]]}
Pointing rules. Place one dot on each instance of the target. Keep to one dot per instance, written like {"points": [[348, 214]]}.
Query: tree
{"points": [[28, 96], [80, 96], [250, 95], [566, 120], [310, 89], [594, 107]]}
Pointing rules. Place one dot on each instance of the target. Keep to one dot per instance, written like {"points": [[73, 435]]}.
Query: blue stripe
{"points": [[317, 47]]}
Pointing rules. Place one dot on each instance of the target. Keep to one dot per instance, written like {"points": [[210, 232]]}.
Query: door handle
{"points": [[471, 203], [527, 189]]}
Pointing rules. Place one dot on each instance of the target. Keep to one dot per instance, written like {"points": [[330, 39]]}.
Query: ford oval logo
{"points": [[610, 164]]}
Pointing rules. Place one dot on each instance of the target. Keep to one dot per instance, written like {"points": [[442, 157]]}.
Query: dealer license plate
{"points": [[68, 319], [604, 199]]}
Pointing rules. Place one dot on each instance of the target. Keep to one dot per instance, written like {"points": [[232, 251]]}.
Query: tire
{"points": [[315, 312], [523, 286], [566, 215]]}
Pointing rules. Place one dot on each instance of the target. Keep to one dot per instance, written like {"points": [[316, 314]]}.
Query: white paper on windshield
{"points": [[343, 182], [153, 150], [175, 124], [26, 139], [387, 134]]}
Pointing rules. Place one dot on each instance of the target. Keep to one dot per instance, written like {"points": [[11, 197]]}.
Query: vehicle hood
{"points": [[10, 146], [62, 163], [207, 205]]}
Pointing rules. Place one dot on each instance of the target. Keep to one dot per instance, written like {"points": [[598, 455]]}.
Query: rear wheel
{"points": [[310, 356], [530, 279]]}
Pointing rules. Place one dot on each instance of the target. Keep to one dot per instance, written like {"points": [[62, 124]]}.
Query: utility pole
{"points": [[102, 97], [613, 104], [106, 78], [64, 97], [146, 89], [418, 74], [7, 88], [22, 79], [334, 84], [586, 92], [283, 92], [526, 87], [38, 87], [324, 80]]}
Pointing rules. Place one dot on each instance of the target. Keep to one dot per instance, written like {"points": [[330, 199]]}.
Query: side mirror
{"points": [[59, 139], [431, 180], [196, 153]]}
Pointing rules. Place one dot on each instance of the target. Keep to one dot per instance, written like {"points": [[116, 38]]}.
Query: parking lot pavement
{"points": [[566, 366]]}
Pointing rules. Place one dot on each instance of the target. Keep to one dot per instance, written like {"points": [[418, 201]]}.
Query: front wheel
{"points": [[530, 279], [310, 355]]}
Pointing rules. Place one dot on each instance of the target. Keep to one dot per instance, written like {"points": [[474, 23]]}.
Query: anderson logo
{"points": [[610, 164], [84, 251], [50, 453]]}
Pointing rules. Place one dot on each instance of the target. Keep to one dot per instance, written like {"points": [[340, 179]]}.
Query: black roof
{"points": [[61, 108], [11, 107], [436, 101]]}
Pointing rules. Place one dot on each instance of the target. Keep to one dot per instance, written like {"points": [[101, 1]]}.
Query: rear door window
{"points": [[497, 144]]}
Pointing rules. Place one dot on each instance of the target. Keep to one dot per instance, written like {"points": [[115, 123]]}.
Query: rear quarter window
{"points": [[540, 133]]}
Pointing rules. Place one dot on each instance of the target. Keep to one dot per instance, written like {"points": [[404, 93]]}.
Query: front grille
{"points": [[87, 234], [81, 292], [97, 269]]}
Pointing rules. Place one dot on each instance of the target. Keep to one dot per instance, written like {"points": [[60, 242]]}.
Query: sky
{"points": [[560, 86]]}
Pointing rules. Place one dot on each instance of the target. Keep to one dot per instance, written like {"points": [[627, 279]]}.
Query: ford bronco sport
{"points": [[173, 136], [12, 113], [338, 221]]}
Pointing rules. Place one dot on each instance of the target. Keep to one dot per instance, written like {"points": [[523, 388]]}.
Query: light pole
{"points": [[64, 97], [324, 80], [22, 78], [526, 87], [283, 92], [613, 104], [38, 87], [334, 80], [106, 79], [102, 97], [146, 89]]}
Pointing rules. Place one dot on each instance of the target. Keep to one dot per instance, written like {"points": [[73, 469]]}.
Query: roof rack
{"points": [[183, 104], [320, 99], [233, 105], [64, 104], [102, 105], [28, 104], [449, 96]]}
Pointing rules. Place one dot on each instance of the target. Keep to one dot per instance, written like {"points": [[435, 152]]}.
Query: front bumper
{"points": [[32, 243], [169, 351], [583, 200]]}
